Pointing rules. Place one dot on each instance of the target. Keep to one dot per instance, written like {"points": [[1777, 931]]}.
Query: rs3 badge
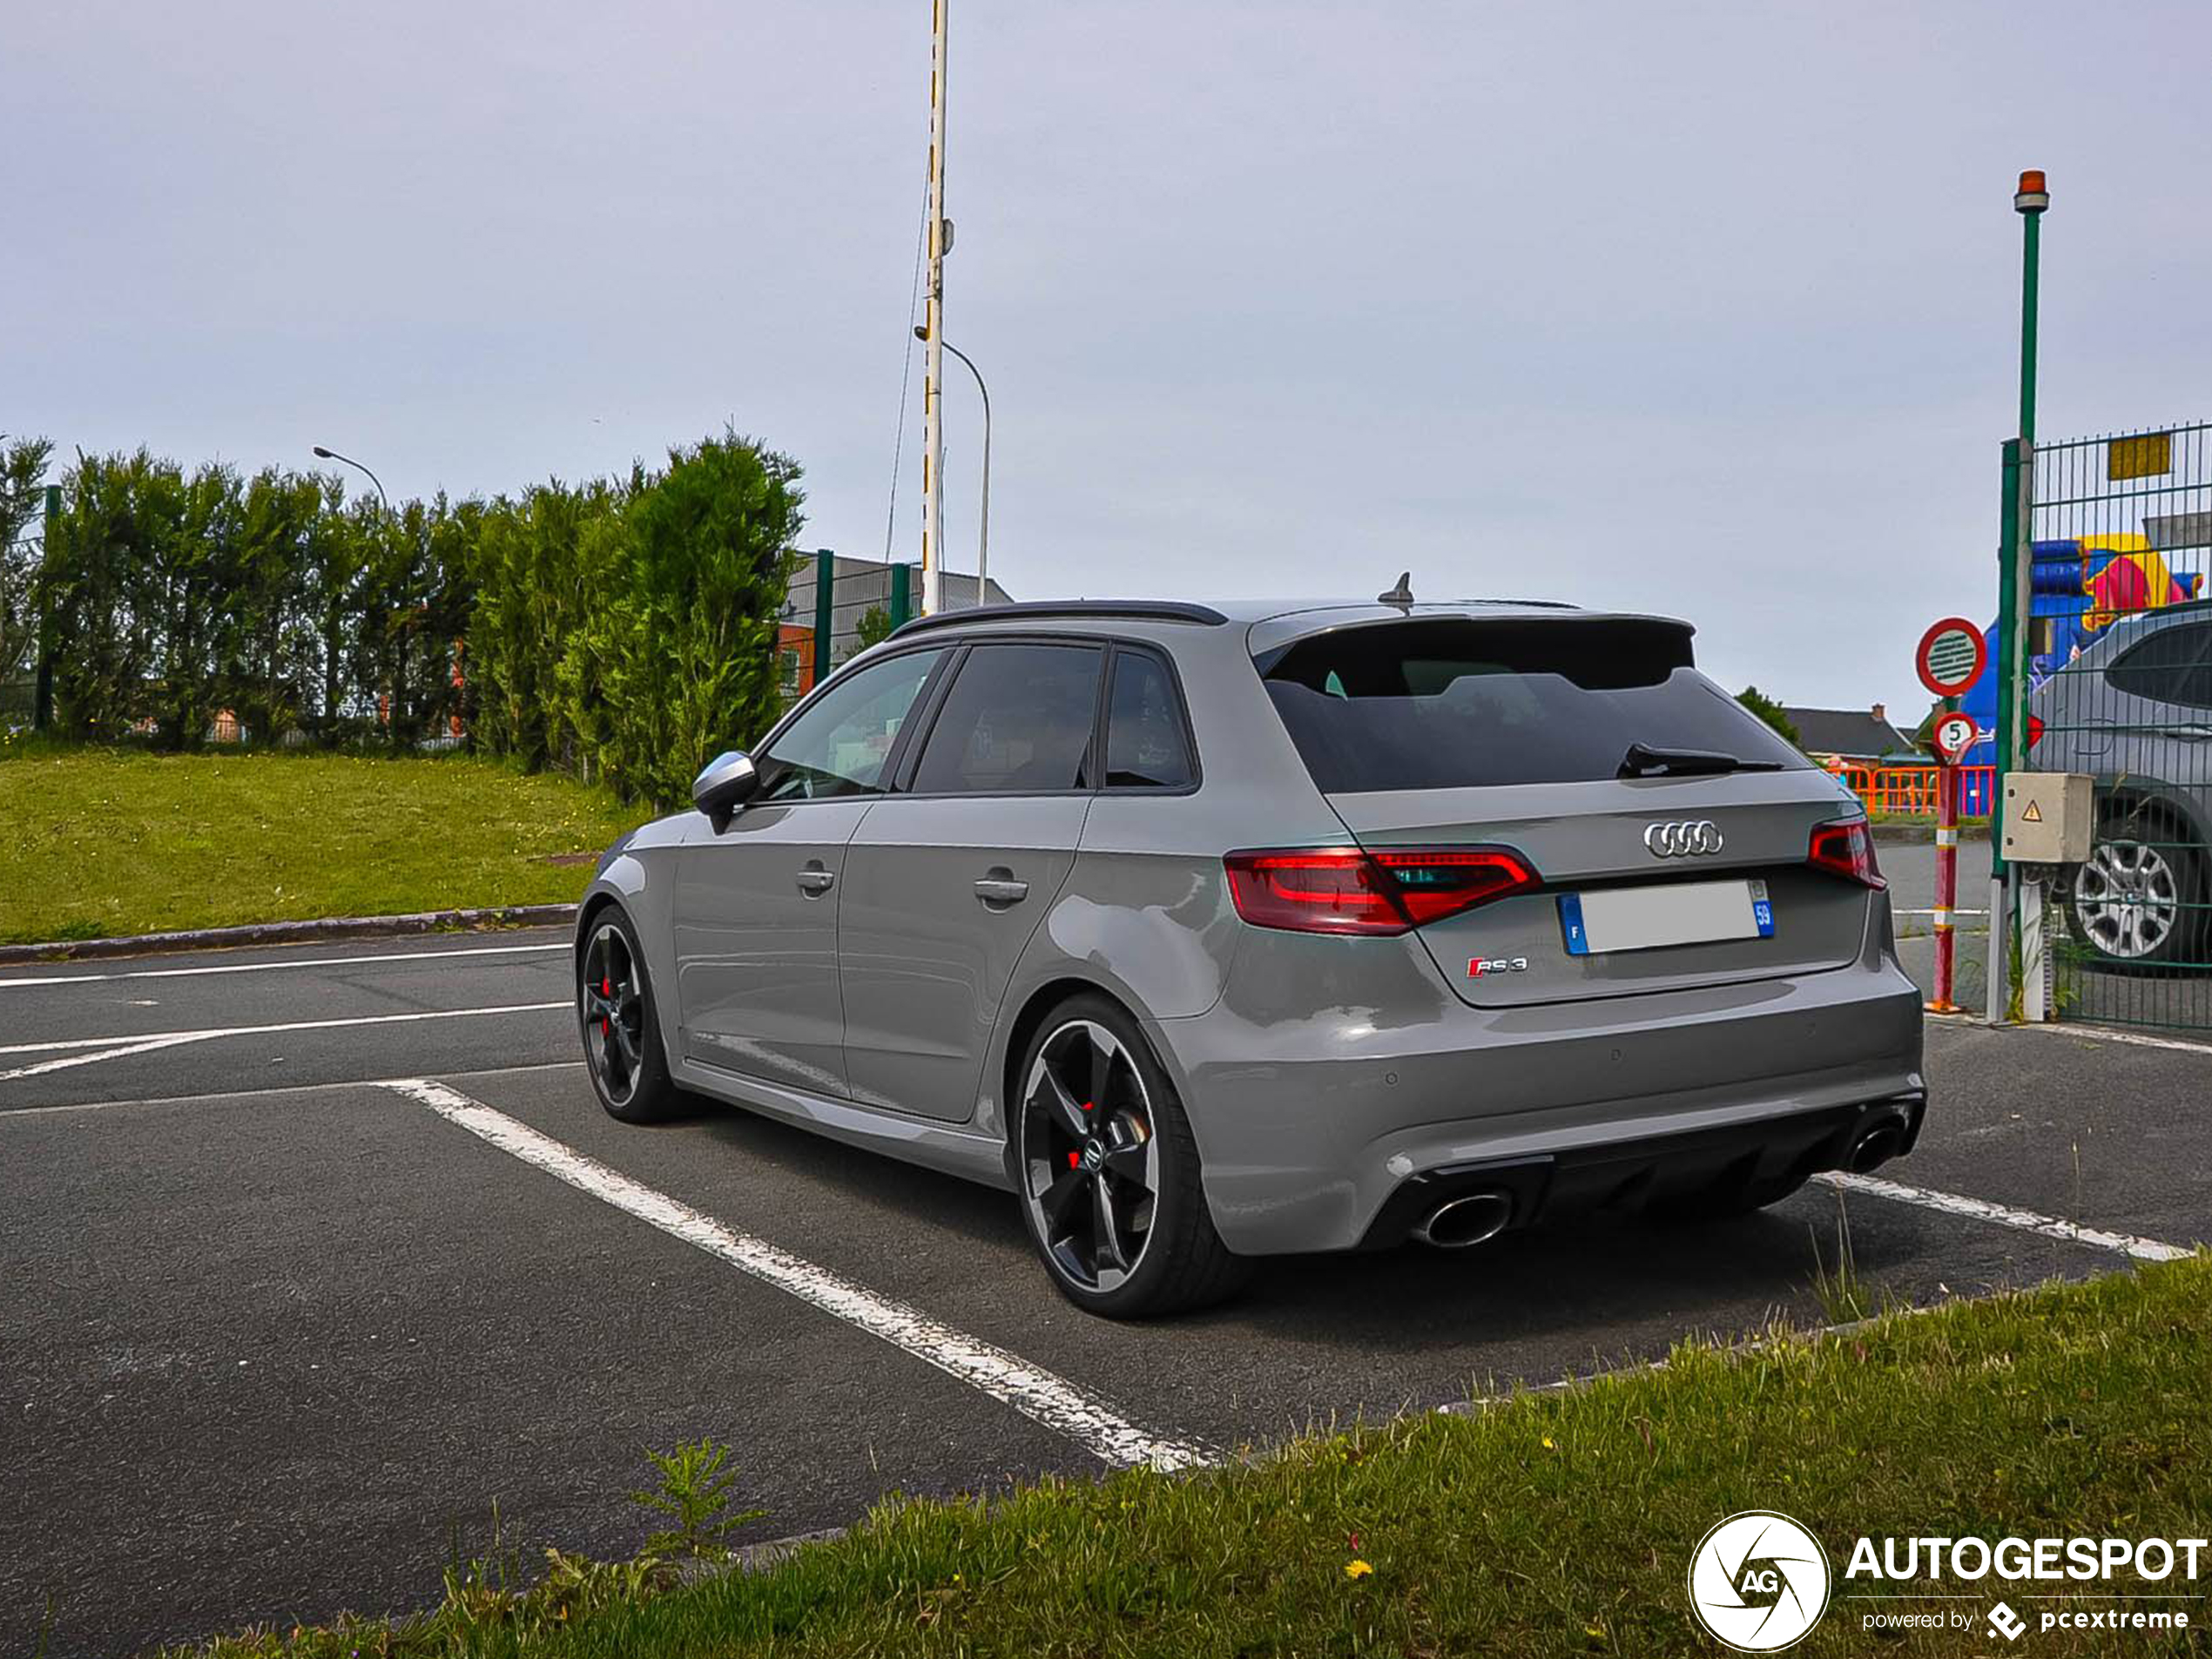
{"points": [[1479, 966]]}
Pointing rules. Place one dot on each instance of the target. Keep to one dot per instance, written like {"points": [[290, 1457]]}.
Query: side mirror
{"points": [[725, 785]]}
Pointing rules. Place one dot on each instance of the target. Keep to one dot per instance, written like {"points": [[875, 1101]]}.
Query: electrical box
{"points": [[2049, 817]]}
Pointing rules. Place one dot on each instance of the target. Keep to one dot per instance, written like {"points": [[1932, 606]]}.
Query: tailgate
{"points": [[1596, 838]]}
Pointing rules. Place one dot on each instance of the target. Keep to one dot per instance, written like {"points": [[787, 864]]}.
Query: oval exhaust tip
{"points": [[1876, 1147], [1472, 1218]]}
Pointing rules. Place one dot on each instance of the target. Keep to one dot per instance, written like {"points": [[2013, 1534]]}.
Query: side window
{"points": [[839, 746], [1147, 746], [2172, 666], [1018, 718]]}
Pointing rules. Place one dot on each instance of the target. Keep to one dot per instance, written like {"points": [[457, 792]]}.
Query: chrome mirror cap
{"points": [[725, 783]]}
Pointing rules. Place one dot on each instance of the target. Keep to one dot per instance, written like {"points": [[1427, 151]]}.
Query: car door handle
{"points": [[1001, 890], [815, 882]]}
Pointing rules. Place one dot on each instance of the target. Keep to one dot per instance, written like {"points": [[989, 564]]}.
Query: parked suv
{"points": [[2135, 712], [1217, 933]]}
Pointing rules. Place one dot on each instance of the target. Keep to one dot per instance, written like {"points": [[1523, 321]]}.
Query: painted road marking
{"points": [[67, 1061], [1952, 1203], [1036, 1393], [117, 1047], [2132, 1039], [39, 1108], [263, 968]]}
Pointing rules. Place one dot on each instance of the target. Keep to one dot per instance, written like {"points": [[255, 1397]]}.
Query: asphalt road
{"points": [[281, 1340]]}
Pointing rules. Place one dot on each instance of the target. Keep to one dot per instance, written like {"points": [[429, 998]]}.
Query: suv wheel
{"points": [[2138, 901], [1109, 1172], [615, 1013]]}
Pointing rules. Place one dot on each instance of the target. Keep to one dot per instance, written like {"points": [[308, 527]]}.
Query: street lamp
{"points": [[322, 453], [983, 520]]}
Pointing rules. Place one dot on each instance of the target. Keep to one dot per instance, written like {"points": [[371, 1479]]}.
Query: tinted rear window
{"points": [[1450, 704]]}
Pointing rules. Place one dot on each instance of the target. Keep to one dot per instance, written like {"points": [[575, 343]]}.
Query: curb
{"points": [[290, 932]]}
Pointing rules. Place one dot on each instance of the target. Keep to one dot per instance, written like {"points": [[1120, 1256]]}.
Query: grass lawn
{"points": [[118, 841], [1558, 1523]]}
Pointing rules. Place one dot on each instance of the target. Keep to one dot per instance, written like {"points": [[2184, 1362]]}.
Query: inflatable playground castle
{"points": [[2081, 588]]}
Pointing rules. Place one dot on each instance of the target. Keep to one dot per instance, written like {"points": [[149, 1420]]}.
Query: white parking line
{"points": [[263, 968], [1036, 1393], [1952, 1203], [232, 1097], [69, 1061], [116, 1048], [2130, 1039]]}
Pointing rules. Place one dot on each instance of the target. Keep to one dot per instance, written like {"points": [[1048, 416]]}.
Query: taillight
{"points": [[1348, 890], [1846, 849]]}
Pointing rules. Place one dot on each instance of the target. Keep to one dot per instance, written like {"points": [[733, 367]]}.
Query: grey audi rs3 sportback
{"points": [[1213, 933]]}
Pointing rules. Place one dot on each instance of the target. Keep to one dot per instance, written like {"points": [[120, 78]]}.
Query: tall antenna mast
{"points": [[932, 384]]}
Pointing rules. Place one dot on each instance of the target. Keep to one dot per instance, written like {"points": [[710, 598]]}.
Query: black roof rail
{"points": [[1029, 610]]}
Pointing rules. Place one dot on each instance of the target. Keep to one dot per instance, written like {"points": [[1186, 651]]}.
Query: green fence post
{"points": [[902, 604], [41, 702], [2012, 659], [824, 610], [2012, 636]]}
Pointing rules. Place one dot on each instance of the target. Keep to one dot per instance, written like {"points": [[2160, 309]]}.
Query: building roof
{"points": [[1860, 734]]}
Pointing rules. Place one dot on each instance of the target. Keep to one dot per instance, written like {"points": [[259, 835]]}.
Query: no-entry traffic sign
{"points": [[1951, 657], [1953, 735]]}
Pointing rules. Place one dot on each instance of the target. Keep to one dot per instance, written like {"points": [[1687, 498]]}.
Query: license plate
{"points": [[1681, 913]]}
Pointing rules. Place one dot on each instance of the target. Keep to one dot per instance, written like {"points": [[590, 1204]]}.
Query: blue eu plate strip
{"points": [[1570, 921]]}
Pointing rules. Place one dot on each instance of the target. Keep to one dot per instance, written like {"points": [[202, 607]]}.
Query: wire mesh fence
{"points": [[2119, 647]]}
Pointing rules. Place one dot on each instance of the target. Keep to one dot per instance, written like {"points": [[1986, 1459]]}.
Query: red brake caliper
{"points": [[606, 989], [1075, 1159]]}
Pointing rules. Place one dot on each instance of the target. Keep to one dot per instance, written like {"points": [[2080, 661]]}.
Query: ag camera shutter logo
{"points": [[1758, 1582]]}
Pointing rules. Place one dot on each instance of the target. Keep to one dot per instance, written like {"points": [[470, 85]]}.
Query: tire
{"points": [[2139, 901], [617, 1017], [1107, 1171]]}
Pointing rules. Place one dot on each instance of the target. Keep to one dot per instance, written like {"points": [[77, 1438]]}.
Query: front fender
{"points": [[638, 871]]}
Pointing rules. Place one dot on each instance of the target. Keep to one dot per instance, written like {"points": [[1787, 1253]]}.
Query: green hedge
{"points": [[623, 629]]}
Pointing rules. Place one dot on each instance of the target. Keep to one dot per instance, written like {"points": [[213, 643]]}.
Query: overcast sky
{"points": [[1705, 310]]}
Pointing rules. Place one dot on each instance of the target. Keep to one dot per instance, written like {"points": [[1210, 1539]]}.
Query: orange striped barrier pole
{"points": [[1946, 888]]}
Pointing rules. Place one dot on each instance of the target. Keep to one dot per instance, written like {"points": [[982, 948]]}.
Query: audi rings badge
{"points": [[1693, 838]]}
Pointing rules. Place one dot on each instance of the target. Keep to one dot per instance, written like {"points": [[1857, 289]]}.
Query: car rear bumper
{"points": [[1311, 1124], [1730, 1161]]}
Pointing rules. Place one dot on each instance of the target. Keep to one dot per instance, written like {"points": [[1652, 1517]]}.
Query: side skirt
{"points": [[981, 1159]]}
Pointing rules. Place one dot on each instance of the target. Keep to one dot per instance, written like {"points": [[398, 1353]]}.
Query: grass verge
{"points": [[107, 841], [1558, 1523]]}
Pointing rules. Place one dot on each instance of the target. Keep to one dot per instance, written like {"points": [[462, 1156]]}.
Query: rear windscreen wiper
{"points": [[1643, 761]]}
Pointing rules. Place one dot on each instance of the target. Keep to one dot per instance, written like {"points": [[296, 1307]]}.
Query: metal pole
{"points": [[1946, 888], [932, 385], [2010, 630], [900, 595], [983, 519], [824, 614], [322, 453], [42, 697], [2029, 201]]}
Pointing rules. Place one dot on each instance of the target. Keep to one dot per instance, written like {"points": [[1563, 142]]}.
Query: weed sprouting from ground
{"points": [[1842, 1294], [695, 1493]]}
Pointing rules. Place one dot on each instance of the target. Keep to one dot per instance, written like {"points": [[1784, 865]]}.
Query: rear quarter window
{"points": [[2173, 665], [1447, 703]]}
